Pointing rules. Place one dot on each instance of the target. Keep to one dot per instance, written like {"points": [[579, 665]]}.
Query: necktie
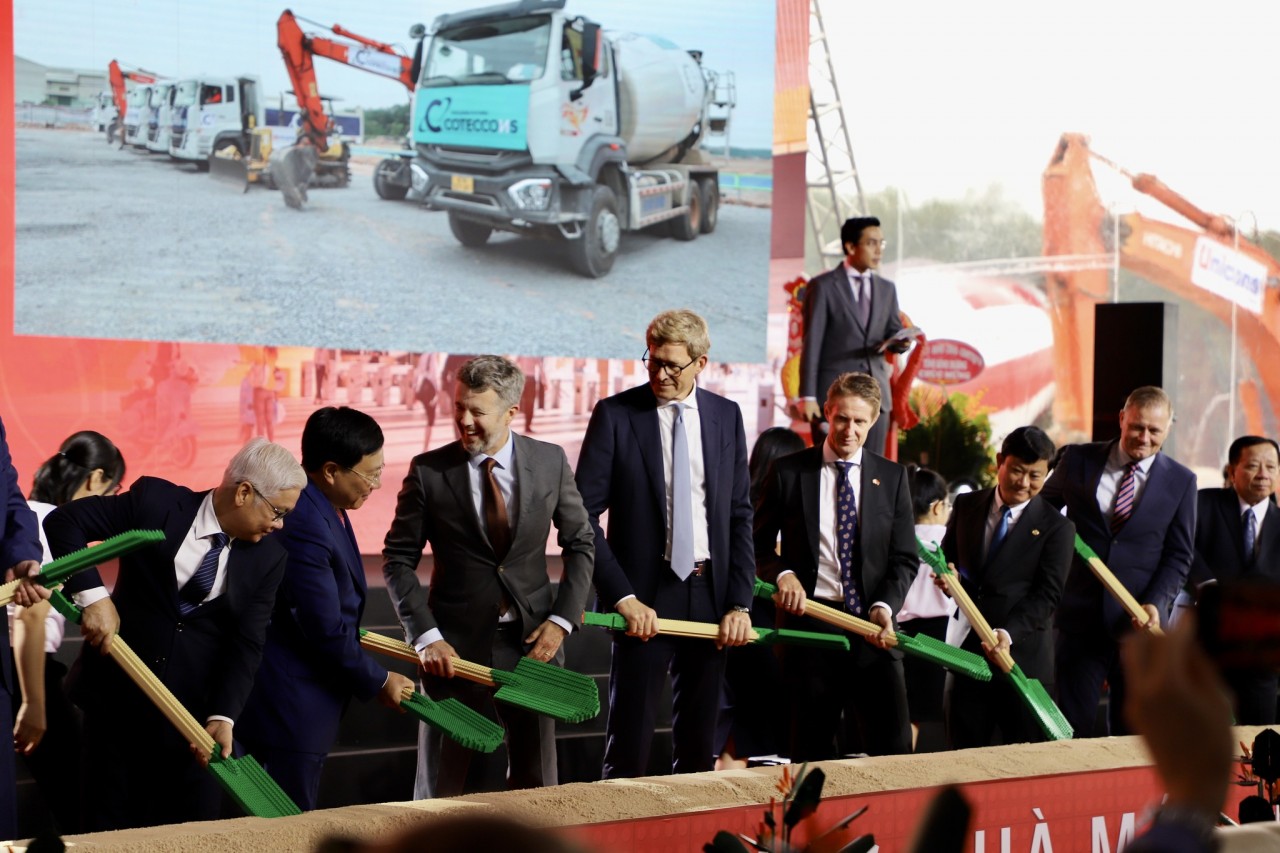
{"points": [[1250, 535], [846, 535], [681, 499], [1124, 499], [196, 589], [496, 521], [1001, 531], [864, 299]]}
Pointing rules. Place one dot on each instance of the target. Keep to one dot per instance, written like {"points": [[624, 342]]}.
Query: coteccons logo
{"points": [[438, 118]]}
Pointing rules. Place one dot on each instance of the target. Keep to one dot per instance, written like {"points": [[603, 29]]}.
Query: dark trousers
{"points": [[988, 714], [52, 761], [531, 738], [1255, 695], [8, 768], [866, 685], [1082, 662], [297, 773], [636, 676]]}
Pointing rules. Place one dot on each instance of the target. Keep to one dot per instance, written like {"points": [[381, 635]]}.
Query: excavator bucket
{"points": [[228, 164], [291, 170]]}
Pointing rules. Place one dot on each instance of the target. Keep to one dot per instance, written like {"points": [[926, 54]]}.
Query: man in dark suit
{"points": [[194, 607], [848, 313], [486, 503], [313, 664], [668, 461], [1136, 508], [848, 541], [20, 552], [1238, 538], [1014, 551]]}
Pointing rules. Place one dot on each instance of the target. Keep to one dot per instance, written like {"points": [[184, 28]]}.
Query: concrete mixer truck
{"points": [[534, 121]]}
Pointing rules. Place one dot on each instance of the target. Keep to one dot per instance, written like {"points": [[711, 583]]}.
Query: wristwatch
{"points": [[738, 608]]}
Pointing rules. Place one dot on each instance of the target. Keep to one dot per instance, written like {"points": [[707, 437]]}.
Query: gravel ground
{"points": [[119, 244]]}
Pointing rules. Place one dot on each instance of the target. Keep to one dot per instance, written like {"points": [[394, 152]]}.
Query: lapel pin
{"points": [[1035, 532], [875, 481]]}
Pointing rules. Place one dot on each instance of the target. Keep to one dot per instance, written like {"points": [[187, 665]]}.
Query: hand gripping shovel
{"points": [[536, 686], [242, 778], [1032, 692], [53, 573], [922, 645], [710, 630], [1113, 586]]}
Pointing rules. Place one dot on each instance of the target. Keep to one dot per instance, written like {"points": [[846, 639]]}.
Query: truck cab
{"points": [[137, 103], [210, 111], [104, 111], [159, 119], [534, 121]]}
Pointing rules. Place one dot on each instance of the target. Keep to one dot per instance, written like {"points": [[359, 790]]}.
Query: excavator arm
{"points": [[118, 76]]}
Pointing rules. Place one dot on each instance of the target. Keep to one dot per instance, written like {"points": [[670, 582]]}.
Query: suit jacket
{"points": [[1018, 589], [468, 581], [1152, 553], [620, 469], [313, 663], [208, 658], [1220, 540], [19, 541], [835, 342], [789, 504]]}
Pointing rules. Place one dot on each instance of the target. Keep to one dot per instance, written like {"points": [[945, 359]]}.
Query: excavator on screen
{"points": [[1215, 268], [118, 77], [315, 153]]}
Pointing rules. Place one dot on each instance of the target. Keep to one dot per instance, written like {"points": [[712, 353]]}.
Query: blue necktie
{"points": [[681, 500], [195, 590], [1002, 530], [1250, 535], [846, 535]]}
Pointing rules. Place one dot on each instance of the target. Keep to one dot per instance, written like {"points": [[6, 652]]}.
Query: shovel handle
{"points": [[392, 647]]}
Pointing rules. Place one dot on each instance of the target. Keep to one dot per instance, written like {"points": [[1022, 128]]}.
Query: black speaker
{"points": [[1134, 344]]}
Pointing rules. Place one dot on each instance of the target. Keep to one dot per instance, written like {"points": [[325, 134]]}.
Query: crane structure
{"points": [[119, 79]]}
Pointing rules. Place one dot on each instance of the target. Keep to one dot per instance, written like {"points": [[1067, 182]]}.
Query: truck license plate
{"points": [[463, 184]]}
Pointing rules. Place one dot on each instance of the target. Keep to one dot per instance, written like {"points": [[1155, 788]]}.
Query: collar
{"points": [[998, 505], [853, 275], [206, 523], [690, 402], [505, 454], [1259, 509], [829, 455], [1118, 459]]}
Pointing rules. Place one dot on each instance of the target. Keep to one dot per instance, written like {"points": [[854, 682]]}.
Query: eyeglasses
{"points": [[870, 243], [655, 365], [375, 480], [276, 512]]}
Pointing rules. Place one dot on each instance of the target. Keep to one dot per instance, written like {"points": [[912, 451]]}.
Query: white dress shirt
{"points": [[1113, 473]]}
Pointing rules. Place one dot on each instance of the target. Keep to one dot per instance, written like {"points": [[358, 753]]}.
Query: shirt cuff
{"points": [[226, 720], [427, 638], [624, 598], [876, 604], [781, 574], [1007, 634], [93, 595], [563, 623]]}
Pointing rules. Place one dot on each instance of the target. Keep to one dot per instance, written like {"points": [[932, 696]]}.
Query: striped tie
{"points": [[195, 590], [1124, 499]]}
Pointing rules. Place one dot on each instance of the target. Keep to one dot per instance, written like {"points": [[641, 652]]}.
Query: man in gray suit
{"points": [[848, 313], [485, 503]]}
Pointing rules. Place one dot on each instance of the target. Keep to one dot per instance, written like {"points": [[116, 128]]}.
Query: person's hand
{"points": [[1153, 618], [437, 659], [396, 690], [1003, 644], [940, 582], [28, 592], [1177, 701], [790, 595], [642, 621], [28, 728], [546, 640], [220, 730], [99, 622], [735, 630], [882, 617], [810, 411]]}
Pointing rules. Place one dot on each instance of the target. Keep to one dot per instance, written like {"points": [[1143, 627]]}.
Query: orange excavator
{"points": [[1214, 268], [117, 77], [314, 153]]}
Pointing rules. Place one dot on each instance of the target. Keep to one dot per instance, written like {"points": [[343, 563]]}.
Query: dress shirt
{"points": [[697, 471], [1113, 473], [1259, 511], [993, 520]]}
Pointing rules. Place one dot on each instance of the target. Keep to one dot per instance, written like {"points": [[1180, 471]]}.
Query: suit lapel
{"points": [[1268, 563], [810, 496], [709, 431], [525, 474], [844, 294], [458, 477], [340, 531], [176, 526], [1095, 478], [644, 424]]}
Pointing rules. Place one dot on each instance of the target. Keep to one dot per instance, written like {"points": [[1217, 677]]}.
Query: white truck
{"points": [[212, 112], [104, 111], [159, 118], [530, 120], [135, 116]]}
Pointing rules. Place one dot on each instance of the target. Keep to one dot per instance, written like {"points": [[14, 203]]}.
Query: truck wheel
{"points": [[710, 188], [593, 253], [469, 233], [688, 226], [382, 184]]}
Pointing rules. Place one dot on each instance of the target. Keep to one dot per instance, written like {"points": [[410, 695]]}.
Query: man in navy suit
{"points": [[668, 461], [848, 313], [194, 608], [1014, 551], [848, 541], [313, 664], [20, 552], [1136, 508], [1238, 538]]}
